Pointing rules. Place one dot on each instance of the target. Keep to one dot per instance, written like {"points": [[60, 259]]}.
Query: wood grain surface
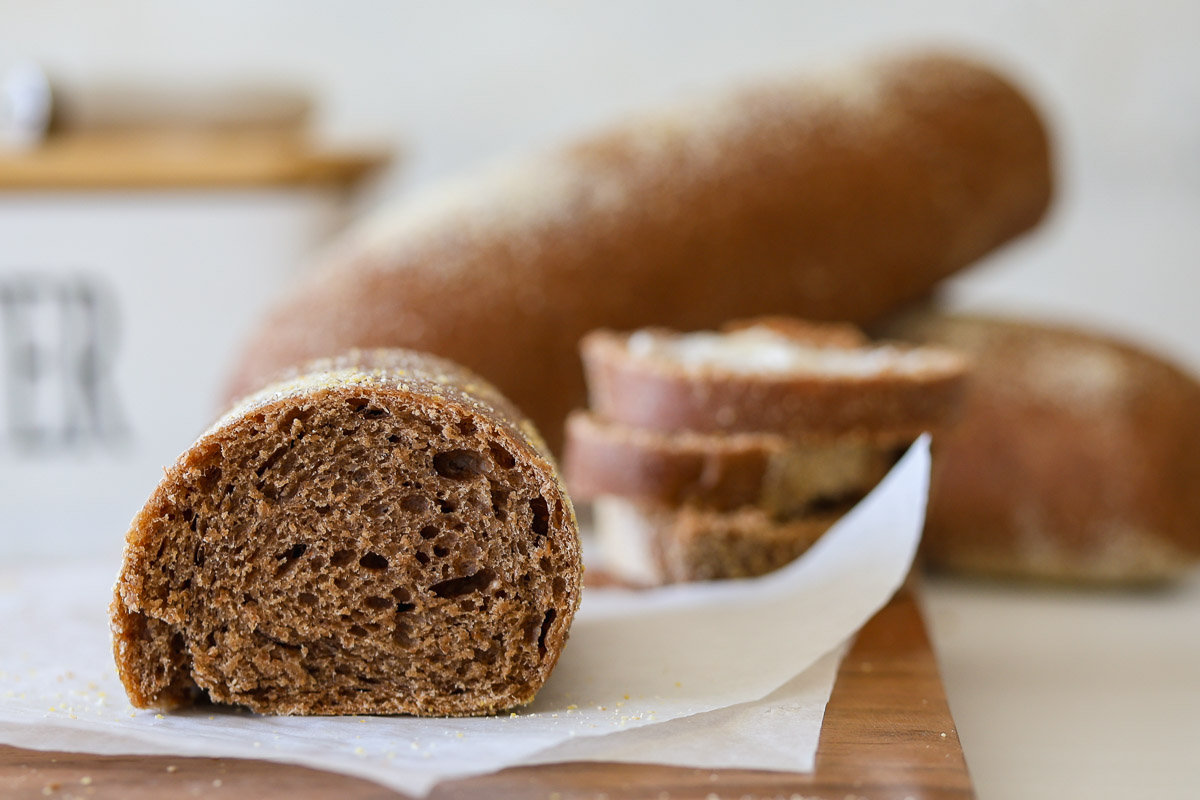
{"points": [[887, 734], [162, 160]]}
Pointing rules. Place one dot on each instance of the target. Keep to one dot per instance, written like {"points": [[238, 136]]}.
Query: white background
{"points": [[1056, 694]]}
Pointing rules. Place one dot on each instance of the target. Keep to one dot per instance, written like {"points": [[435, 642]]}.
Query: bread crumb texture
{"points": [[377, 533]]}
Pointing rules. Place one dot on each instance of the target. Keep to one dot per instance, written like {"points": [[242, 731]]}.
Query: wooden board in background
{"points": [[888, 735]]}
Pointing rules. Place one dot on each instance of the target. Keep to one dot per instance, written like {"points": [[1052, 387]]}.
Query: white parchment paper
{"points": [[731, 674]]}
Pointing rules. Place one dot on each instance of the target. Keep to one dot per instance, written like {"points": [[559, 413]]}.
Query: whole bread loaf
{"points": [[381, 533], [1076, 458], [838, 197]]}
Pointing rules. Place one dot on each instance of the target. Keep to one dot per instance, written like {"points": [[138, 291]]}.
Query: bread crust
{"points": [[660, 394], [839, 197], [334, 622], [1077, 457], [720, 472]]}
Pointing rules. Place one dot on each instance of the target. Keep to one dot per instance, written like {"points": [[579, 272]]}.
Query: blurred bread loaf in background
{"points": [[1077, 457], [840, 196]]}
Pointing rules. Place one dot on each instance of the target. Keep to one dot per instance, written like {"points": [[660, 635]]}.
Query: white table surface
{"points": [[1072, 694]]}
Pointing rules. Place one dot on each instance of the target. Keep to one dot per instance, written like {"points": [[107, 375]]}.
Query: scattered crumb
{"points": [[171, 768], [160, 716], [217, 783], [86, 780]]}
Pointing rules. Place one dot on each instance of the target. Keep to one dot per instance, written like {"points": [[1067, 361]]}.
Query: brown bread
{"points": [[759, 380], [1077, 457], [382, 533], [649, 545], [839, 197], [720, 472]]}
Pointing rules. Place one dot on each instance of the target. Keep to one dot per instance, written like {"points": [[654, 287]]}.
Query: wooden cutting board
{"points": [[887, 734]]}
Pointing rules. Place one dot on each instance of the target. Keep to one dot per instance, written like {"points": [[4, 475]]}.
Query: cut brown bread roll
{"points": [[649, 545], [1077, 457], [381, 533], [720, 472], [838, 197], [758, 379]]}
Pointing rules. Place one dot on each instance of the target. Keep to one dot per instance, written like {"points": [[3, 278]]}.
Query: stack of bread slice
{"points": [[726, 454]]}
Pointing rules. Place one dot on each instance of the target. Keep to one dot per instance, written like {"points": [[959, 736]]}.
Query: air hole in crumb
{"points": [[501, 594], [377, 509], [378, 603], [421, 557], [338, 488], [559, 586], [358, 630], [541, 516], [547, 621], [295, 551], [440, 552], [415, 504], [403, 634], [341, 583], [341, 558], [393, 438], [544, 564], [429, 532], [375, 413], [457, 587], [447, 506], [460, 465], [403, 607], [502, 457], [357, 403], [402, 594], [307, 599], [466, 426], [272, 459], [373, 561], [499, 501]]}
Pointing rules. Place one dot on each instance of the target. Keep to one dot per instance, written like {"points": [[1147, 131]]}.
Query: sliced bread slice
{"points": [[650, 545], [784, 477], [768, 378]]}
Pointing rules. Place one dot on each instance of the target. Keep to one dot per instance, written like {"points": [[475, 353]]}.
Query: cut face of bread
{"points": [[651, 545], [761, 378], [784, 477], [380, 534]]}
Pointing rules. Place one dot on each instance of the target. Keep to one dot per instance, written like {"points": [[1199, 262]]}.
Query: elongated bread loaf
{"points": [[1077, 457], [761, 380], [839, 197], [382, 533]]}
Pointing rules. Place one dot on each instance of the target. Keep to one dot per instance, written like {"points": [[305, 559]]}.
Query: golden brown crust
{"points": [[1077, 458], [661, 394], [837, 198], [376, 534]]}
